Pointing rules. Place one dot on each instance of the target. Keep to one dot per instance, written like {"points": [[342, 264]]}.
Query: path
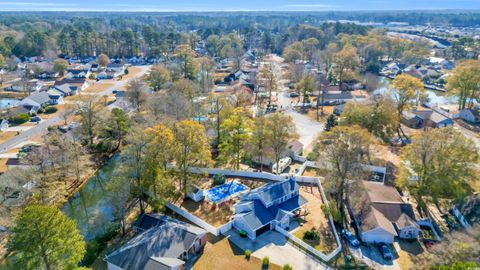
{"points": [[42, 127], [307, 128]]}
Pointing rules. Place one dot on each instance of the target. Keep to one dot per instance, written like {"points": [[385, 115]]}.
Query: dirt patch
{"points": [[315, 219], [219, 253], [215, 215], [99, 87]]}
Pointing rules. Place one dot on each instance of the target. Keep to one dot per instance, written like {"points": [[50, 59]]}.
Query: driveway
{"points": [[307, 128], [276, 247], [372, 257]]}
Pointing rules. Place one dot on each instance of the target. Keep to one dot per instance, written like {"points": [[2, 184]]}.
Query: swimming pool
{"points": [[221, 193]]}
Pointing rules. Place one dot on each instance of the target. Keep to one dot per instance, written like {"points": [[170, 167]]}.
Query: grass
{"points": [[213, 215], [98, 87], [406, 250], [219, 253], [7, 135]]}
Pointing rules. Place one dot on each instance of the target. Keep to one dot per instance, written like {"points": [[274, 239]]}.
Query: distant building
{"points": [[471, 115], [77, 74], [421, 117]]}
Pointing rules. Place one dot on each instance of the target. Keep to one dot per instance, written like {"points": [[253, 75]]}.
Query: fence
{"points": [[199, 222]]}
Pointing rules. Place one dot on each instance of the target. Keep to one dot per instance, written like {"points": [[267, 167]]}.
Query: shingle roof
{"points": [[160, 245], [274, 191], [39, 98]]}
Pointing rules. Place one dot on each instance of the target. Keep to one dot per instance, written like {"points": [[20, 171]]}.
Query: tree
{"points": [[116, 128], [158, 77], [306, 86], [405, 89], [346, 64], [294, 52], [269, 77], [60, 66], [343, 148], [205, 68], [44, 238], [379, 116], [90, 119], [258, 139], [464, 83], [281, 131], [331, 122], [440, 164], [103, 60], [186, 55], [191, 148], [136, 93], [236, 129]]}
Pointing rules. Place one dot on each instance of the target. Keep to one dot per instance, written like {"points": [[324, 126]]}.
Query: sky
{"points": [[235, 5]]}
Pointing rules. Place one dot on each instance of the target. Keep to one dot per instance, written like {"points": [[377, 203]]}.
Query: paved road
{"points": [[308, 129], [42, 127]]}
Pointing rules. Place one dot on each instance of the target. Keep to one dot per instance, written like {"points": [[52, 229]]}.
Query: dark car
{"points": [[351, 239], [35, 119], [114, 91], [386, 252], [294, 94]]}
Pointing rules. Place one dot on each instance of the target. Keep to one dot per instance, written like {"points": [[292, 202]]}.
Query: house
{"points": [[71, 87], [20, 85], [37, 100], [56, 96], [77, 73], [3, 124], [471, 115], [166, 244], [421, 117], [106, 74], [380, 214], [195, 193], [117, 69], [47, 75], [266, 207], [293, 149]]}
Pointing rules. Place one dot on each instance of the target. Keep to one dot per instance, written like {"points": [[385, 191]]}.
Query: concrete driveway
{"points": [[276, 247]]}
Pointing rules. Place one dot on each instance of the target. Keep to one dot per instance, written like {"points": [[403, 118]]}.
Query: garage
{"points": [[263, 229]]}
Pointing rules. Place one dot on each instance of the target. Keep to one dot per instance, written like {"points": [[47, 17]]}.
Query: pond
{"points": [[8, 102], [435, 97], [91, 206]]}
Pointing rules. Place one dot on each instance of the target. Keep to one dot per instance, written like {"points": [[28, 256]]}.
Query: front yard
{"points": [[315, 221], [219, 253]]}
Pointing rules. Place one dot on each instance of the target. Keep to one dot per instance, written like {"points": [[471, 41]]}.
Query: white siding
{"points": [[240, 224], [113, 267], [377, 235]]}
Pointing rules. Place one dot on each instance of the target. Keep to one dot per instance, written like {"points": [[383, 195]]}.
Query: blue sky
{"points": [[238, 5]]}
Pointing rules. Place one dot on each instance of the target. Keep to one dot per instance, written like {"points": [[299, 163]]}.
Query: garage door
{"points": [[263, 229]]}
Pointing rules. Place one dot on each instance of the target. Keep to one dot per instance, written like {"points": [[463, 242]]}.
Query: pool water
{"points": [[221, 193]]}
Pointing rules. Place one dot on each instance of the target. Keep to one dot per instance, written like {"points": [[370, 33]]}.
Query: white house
{"points": [[471, 115], [77, 73]]}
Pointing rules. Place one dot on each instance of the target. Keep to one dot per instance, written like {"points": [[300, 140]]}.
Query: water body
{"points": [[91, 207], [8, 102], [435, 97]]}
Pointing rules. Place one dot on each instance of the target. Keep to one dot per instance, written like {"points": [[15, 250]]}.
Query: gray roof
{"points": [[157, 248], [66, 88], [39, 98]]}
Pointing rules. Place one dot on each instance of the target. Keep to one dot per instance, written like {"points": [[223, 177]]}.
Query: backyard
{"points": [[315, 221], [215, 215]]}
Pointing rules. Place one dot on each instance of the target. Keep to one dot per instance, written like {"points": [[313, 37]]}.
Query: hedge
{"points": [[20, 119], [50, 110]]}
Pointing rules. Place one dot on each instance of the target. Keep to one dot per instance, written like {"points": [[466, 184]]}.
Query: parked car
{"points": [[294, 94], [350, 237], [114, 91], [35, 119], [72, 125], [63, 129], [386, 252]]}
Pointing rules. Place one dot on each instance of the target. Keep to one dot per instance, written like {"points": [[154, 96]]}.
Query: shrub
{"points": [[98, 244], [20, 119], [218, 180], [243, 233], [50, 110], [287, 267], [311, 235], [265, 261], [248, 253]]}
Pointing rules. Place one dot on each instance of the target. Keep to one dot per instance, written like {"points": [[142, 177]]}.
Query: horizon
{"points": [[244, 6]]}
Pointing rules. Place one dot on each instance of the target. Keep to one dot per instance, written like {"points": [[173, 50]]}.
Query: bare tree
{"points": [[136, 93]]}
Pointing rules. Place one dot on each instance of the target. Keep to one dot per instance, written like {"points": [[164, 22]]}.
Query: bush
{"points": [[243, 233], [248, 253], [97, 245], [265, 261], [50, 110], [218, 180], [20, 119], [287, 267], [311, 235]]}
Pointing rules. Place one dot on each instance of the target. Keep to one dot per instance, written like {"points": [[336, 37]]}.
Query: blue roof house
{"points": [[266, 207]]}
